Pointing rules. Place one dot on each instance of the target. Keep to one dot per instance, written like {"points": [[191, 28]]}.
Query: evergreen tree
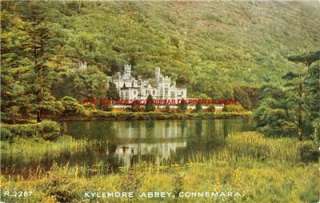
{"points": [[198, 107], [41, 46], [312, 85], [90, 83], [150, 104], [293, 109], [15, 68], [183, 106], [112, 92]]}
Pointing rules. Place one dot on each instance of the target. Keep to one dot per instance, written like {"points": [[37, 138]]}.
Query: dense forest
{"points": [[220, 50], [264, 55]]}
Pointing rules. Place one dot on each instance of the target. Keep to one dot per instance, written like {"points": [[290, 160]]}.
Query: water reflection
{"points": [[156, 141], [111, 144]]}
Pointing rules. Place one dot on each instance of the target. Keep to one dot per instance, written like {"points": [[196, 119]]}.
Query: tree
{"points": [[71, 106], [41, 45], [294, 108], [183, 106], [242, 96], [90, 83], [15, 68], [198, 107], [112, 92], [312, 85], [150, 104]]}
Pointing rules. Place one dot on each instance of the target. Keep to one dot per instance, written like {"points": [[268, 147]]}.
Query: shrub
{"points": [[49, 130], [72, 106], [233, 108], [150, 104], [198, 107], [23, 130], [107, 107], [5, 134], [136, 107], [167, 108], [211, 108], [89, 106], [183, 106], [309, 152]]}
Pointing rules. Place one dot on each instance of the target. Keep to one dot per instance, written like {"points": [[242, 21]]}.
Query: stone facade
{"points": [[131, 88]]}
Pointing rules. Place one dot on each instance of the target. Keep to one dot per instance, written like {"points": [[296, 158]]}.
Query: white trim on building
{"points": [[131, 88]]}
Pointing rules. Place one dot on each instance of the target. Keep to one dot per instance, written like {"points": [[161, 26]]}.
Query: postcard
{"points": [[160, 101]]}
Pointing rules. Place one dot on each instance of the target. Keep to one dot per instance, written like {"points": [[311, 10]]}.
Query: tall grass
{"points": [[260, 169]]}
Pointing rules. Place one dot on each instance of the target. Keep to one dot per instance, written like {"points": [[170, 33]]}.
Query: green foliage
{"points": [[90, 83], [5, 134], [233, 108], [112, 92], [307, 59], [167, 108], [241, 96], [183, 106], [247, 96], [312, 85], [211, 108], [89, 106], [48, 130], [71, 106], [309, 152], [291, 110], [136, 107], [150, 104], [273, 165], [198, 107], [43, 43]]}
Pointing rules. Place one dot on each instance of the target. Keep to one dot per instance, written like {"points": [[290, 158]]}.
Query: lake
{"points": [[112, 145]]}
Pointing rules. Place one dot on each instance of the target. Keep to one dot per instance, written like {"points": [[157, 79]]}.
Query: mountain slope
{"points": [[210, 47]]}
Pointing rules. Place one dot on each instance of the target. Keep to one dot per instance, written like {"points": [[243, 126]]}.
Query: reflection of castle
{"points": [[162, 151], [132, 88], [141, 130]]}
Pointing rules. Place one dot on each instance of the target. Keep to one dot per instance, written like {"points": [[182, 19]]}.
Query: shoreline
{"points": [[123, 116]]}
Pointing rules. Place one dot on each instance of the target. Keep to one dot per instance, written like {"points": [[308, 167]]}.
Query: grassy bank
{"points": [[260, 169], [104, 115], [32, 148]]}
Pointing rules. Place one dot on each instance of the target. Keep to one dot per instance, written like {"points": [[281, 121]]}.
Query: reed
{"points": [[261, 169]]}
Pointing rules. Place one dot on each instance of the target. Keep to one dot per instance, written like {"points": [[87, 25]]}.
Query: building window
{"points": [[172, 95]]}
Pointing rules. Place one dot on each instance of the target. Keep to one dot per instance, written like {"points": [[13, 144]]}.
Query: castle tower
{"points": [[127, 71], [157, 73]]}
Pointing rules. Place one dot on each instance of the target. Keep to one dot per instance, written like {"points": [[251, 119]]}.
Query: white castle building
{"points": [[131, 88]]}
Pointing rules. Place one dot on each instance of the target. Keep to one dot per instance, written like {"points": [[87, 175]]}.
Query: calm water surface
{"points": [[113, 144]]}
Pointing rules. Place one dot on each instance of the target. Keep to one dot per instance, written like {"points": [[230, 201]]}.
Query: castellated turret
{"points": [[131, 88]]}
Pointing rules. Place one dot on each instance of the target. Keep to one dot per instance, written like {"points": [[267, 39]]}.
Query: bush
{"points": [[107, 107], [23, 130], [233, 108], [309, 152], [183, 106], [167, 108], [72, 106], [211, 108], [5, 134], [150, 104], [49, 130], [136, 107], [198, 107], [89, 106]]}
